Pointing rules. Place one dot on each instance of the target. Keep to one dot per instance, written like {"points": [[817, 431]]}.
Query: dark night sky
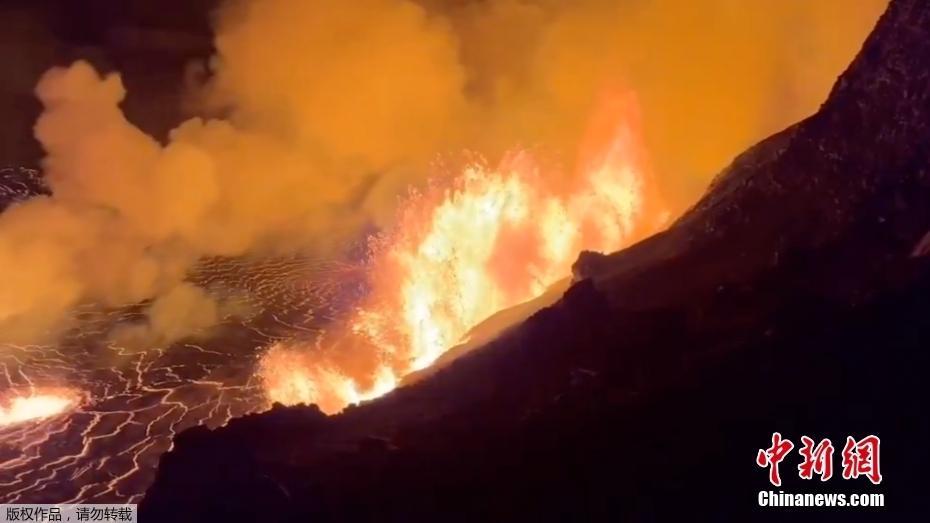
{"points": [[153, 44]]}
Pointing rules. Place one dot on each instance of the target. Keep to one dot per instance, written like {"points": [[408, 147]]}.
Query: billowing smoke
{"points": [[712, 76], [318, 113]]}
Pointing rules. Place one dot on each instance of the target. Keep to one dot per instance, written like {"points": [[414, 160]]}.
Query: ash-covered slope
{"points": [[786, 300]]}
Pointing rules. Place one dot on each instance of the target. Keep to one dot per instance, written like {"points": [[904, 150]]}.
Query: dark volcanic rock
{"points": [[785, 300]]}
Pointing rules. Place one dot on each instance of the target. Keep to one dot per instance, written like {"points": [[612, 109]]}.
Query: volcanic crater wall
{"points": [[785, 300]]}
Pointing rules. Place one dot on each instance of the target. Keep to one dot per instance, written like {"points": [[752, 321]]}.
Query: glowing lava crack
{"points": [[100, 440]]}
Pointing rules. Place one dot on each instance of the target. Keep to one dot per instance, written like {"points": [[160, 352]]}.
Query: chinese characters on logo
{"points": [[774, 455], [817, 460], [860, 458]]}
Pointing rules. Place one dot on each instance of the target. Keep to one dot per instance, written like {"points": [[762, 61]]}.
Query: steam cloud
{"points": [[322, 111]]}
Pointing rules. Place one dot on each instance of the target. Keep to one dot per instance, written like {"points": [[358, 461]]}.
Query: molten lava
{"points": [[36, 405], [489, 239]]}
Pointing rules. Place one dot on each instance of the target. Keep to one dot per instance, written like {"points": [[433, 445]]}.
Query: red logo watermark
{"points": [[859, 458], [817, 460]]}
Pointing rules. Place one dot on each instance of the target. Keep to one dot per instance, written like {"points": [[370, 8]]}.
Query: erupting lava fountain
{"points": [[36, 405], [466, 248]]}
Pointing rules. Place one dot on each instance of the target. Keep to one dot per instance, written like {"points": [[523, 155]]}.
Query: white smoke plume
{"points": [[322, 111]]}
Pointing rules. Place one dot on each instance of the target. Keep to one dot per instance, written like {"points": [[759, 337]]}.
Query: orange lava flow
{"points": [[488, 240], [36, 406]]}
